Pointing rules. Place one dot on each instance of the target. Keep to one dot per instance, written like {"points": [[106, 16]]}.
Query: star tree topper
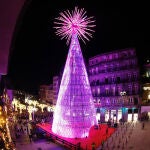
{"points": [[74, 22]]}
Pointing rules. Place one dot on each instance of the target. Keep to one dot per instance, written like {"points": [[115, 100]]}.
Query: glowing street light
{"points": [[31, 110], [149, 96], [35, 103], [42, 106], [21, 107], [15, 103], [122, 94]]}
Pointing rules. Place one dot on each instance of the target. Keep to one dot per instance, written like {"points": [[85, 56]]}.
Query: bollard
{"points": [[126, 141], [123, 146]]}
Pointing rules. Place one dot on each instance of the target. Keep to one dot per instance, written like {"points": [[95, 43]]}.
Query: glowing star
{"points": [[74, 23], [74, 112]]}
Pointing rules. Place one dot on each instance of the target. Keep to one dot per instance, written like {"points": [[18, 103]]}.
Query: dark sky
{"points": [[38, 54]]}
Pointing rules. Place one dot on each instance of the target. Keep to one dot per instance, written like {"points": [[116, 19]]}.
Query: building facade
{"points": [[49, 93], [46, 93], [115, 83], [145, 103], [56, 84]]}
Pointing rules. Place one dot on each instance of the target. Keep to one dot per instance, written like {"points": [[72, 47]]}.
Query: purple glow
{"points": [[74, 23], [74, 113], [10, 11]]}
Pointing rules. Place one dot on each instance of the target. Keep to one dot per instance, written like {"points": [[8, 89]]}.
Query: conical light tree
{"points": [[74, 113]]}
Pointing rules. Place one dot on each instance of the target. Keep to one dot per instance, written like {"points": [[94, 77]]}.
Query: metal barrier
{"points": [[65, 143]]}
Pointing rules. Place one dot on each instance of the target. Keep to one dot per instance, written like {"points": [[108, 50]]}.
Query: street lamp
{"points": [[30, 109], [148, 97], [42, 106], [15, 103], [122, 94], [33, 111], [21, 107]]}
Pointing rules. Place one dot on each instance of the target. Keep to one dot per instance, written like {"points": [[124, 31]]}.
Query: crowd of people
{"points": [[22, 126], [2, 143]]}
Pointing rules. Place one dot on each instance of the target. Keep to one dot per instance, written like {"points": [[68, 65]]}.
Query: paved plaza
{"points": [[24, 144], [129, 136]]}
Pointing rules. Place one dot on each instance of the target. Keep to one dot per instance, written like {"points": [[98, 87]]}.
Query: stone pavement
{"points": [[23, 143], [44, 145], [130, 136]]}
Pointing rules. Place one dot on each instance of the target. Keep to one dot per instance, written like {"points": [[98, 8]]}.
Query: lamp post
{"points": [[148, 97], [30, 109], [50, 110], [122, 94], [42, 107], [15, 103], [21, 107]]}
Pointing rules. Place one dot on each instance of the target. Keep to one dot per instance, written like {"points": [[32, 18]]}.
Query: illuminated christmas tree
{"points": [[74, 113]]}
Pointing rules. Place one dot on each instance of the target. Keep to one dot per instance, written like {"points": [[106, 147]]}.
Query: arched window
{"points": [[118, 79], [106, 80], [97, 82]]}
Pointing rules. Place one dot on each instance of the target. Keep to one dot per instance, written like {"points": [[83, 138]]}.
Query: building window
{"points": [[129, 111], [99, 101], [148, 74], [133, 62], [135, 101], [94, 100], [92, 71], [118, 79], [96, 70], [105, 67], [97, 82], [114, 91], [113, 79], [134, 76], [129, 76], [130, 89], [98, 91], [93, 91], [135, 110], [136, 88], [107, 91], [113, 101], [117, 67], [130, 100], [107, 101], [106, 80]]}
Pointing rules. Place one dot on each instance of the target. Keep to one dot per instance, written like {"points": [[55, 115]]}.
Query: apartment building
{"points": [[115, 83], [46, 93]]}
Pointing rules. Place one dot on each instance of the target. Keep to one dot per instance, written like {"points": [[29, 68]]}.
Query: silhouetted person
{"points": [[30, 137], [14, 142], [2, 144], [143, 125], [107, 130], [93, 146]]}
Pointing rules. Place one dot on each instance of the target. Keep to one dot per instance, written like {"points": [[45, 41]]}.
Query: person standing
{"points": [[30, 137], [2, 144], [93, 146], [143, 125], [106, 130], [102, 145]]}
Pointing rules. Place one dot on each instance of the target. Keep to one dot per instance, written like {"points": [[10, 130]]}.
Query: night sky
{"points": [[38, 54]]}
